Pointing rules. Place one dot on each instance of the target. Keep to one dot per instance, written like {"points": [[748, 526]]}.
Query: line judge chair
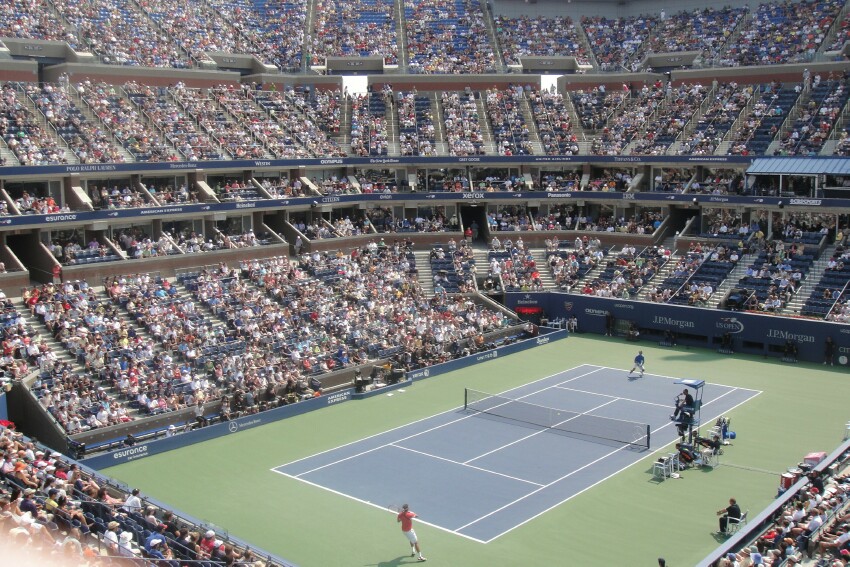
{"points": [[733, 525]]}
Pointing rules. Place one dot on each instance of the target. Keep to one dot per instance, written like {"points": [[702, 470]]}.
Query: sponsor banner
{"points": [[750, 332], [143, 450], [472, 359]]}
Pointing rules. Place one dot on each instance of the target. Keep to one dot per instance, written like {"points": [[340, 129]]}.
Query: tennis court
{"points": [[480, 476]]}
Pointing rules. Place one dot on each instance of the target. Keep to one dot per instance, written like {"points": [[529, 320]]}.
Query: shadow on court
{"points": [[400, 560]]}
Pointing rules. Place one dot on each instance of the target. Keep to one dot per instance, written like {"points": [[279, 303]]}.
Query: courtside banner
{"points": [[546, 336], [146, 449], [749, 332], [154, 447]]}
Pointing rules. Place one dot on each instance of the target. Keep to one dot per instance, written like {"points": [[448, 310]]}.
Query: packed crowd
{"points": [[20, 128], [669, 118], [538, 36], [56, 512], [705, 31], [417, 134], [711, 127], [359, 28], [443, 36], [288, 130], [117, 115], [33, 20], [369, 128], [88, 141], [553, 122], [448, 37], [615, 42], [504, 111], [461, 127], [782, 33], [183, 133], [122, 34]]}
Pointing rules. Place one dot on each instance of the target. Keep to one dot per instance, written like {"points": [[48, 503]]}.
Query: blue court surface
{"points": [[480, 476]]}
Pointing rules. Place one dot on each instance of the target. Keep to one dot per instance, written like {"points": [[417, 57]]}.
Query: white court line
{"points": [[464, 464], [616, 397], [680, 378], [415, 434], [537, 433], [613, 473], [453, 410], [382, 507], [562, 372]]}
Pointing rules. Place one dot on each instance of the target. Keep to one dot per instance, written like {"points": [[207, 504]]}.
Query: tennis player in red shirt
{"points": [[406, 518]]}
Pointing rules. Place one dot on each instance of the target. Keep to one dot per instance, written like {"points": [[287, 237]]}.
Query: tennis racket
{"points": [[394, 508]]}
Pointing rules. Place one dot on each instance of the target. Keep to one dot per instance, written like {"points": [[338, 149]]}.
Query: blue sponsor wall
{"points": [[149, 448], [750, 333]]}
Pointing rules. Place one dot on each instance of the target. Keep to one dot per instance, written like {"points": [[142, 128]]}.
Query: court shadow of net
{"points": [[638, 445]]}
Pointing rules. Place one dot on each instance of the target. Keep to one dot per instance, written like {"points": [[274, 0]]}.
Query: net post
{"points": [[466, 398], [648, 433]]}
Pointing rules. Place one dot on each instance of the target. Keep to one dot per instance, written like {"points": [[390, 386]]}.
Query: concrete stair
{"points": [[424, 273], [811, 280]]}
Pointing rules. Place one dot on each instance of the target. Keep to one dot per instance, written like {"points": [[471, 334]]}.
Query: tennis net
{"points": [[617, 430]]}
